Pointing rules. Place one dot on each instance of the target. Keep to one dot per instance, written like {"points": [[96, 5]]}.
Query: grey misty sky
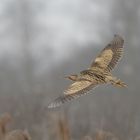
{"points": [[71, 25], [60, 26], [74, 22]]}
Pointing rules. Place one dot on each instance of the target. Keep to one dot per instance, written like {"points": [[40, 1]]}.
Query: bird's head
{"points": [[72, 77]]}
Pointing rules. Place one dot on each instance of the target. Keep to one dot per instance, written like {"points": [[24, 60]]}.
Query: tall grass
{"points": [[12, 134]]}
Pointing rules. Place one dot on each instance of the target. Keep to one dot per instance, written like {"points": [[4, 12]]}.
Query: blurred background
{"points": [[41, 41]]}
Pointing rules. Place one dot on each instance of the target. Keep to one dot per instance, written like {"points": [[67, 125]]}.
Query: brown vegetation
{"points": [[104, 135], [137, 138], [17, 135], [11, 135], [58, 126], [4, 120]]}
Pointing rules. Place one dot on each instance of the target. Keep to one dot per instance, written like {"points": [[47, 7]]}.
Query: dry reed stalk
{"points": [[4, 120], [63, 128], [104, 135], [58, 127], [17, 135]]}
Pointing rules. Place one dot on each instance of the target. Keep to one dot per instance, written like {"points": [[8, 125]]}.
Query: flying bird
{"points": [[98, 73]]}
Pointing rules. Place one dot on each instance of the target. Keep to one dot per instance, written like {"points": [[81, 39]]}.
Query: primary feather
{"points": [[110, 55], [74, 91]]}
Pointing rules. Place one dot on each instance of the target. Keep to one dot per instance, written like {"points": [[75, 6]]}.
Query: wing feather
{"points": [[110, 55], [74, 91]]}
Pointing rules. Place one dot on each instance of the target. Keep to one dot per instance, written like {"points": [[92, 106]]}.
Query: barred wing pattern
{"points": [[95, 75], [74, 91], [110, 55]]}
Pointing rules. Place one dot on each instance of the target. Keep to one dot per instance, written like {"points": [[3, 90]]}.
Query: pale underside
{"points": [[80, 86], [104, 59]]}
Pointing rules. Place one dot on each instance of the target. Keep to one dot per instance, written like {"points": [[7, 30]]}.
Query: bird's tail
{"points": [[118, 83]]}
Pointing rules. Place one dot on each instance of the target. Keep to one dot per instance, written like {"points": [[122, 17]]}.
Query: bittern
{"points": [[98, 73]]}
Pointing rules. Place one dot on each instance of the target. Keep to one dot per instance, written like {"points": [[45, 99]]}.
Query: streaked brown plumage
{"points": [[98, 73]]}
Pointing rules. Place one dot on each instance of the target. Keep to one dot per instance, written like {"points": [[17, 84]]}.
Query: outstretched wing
{"points": [[74, 91], [110, 55]]}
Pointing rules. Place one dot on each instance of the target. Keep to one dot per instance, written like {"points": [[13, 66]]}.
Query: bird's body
{"points": [[98, 73]]}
